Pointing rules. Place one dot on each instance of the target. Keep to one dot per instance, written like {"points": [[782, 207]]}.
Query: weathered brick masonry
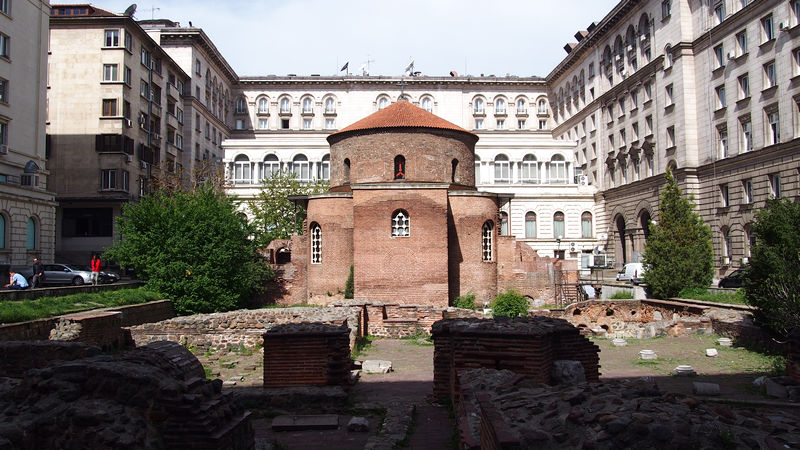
{"points": [[306, 354], [526, 346]]}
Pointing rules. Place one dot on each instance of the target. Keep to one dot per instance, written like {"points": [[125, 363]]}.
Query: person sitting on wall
{"points": [[16, 281]]}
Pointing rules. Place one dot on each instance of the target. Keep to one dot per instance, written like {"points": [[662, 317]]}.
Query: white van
{"points": [[632, 272]]}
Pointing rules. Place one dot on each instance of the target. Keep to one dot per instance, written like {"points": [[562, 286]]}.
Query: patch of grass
{"points": [[419, 338], [208, 372], [736, 297], [622, 295], [362, 346], [23, 310]]}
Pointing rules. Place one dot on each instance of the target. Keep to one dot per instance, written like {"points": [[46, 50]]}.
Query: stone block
{"points": [[712, 352], [567, 372], [376, 366], [705, 388], [360, 424]]}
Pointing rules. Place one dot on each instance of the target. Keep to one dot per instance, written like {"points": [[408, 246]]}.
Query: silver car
{"points": [[66, 274]]}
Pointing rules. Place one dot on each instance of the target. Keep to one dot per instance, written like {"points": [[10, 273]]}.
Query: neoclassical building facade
{"points": [[281, 123], [708, 88]]}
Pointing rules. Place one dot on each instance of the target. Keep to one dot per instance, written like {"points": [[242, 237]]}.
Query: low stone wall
{"points": [[38, 330], [525, 346], [18, 357], [307, 354], [395, 320], [100, 328], [242, 327], [746, 333]]}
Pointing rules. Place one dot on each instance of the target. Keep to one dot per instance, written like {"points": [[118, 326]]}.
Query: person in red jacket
{"points": [[95, 268]]}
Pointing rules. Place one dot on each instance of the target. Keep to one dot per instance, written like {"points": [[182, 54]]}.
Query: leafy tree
{"points": [[466, 301], [194, 247], [772, 278], [678, 253], [510, 304], [273, 214]]}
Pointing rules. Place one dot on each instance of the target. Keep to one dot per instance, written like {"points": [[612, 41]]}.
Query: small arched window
{"points": [[500, 106], [401, 224], [263, 106], [31, 234], [241, 105], [347, 171], [454, 164], [325, 168], [486, 242], [300, 167], [271, 166], [502, 169], [399, 167], [586, 224], [286, 106], [330, 105], [383, 102], [503, 223], [478, 106], [542, 106], [2, 231], [308, 105], [521, 109], [316, 243], [558, 225], [427, 104], [530, 224]]}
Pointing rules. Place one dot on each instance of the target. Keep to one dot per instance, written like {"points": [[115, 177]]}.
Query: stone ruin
{"points": [[501, 409], [526, 346], [71, 396], [306, 354]]}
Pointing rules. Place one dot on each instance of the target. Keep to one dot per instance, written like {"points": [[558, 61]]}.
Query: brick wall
{"points": [[100, 328], [410, 269], [306, 354], [525, 346], [468, 270], [395, 320], [17, 357], [335, 217], [428, 153]]}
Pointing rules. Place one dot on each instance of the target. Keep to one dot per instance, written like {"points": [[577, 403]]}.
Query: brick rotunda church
{"points": [[404, 211]]}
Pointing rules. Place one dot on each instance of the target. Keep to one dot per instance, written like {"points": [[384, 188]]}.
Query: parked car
{"points": [[74, 274], [631, 272], [733, 280]]}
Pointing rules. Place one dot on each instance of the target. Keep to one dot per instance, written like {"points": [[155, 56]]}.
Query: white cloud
{"points": [[520, 37]]}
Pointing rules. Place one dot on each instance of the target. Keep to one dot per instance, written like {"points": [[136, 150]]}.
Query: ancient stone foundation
{"points": [[396, 320], [525, 346], [155, 396], [306, 354]]}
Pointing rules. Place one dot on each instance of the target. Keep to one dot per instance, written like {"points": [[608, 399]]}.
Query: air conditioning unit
{"points": [[128, 123], [572, 247], [156, 136], [745, 260], [783, 26], [725, 260], [644, 38], [3, 149], [618, 57], [140, 120], [143, 164], [630, 48], [731, 55], [583, 180], [128, 158]]}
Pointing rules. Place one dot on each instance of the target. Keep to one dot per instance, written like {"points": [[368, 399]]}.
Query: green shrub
{"points": [[348, 286], [510, 304], [621, 295], [466, 301], [705, 295]]}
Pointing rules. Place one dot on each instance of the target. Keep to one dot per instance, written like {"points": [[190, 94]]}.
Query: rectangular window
{"points": [[744, 87], [501, 124], [262, 124], [109, 107], [741, 42], [521, 124], [542, 124], [666, 9], [128, 42], [306, 124], [767, 29], [635, 131], [775, 185], [747, 194], [478, 124], [719, 12], [110, 72], [5, 6], [108, 179], [722, 135], [634, 99], [720, 90], [239, 124], [648, 92], [747, 135], [668, 93], [773, 128], [179, 141], [724, 195], [5, 49], [127, 75], [145, 57], [770, 77], [796, 61], [3, 133], [330, 124], [179, 115], [621, 107], [126, 109], [112, 38], [671, 137], [719, 56], [3, 90], [796, 12], [648, 125], [144, 89]]}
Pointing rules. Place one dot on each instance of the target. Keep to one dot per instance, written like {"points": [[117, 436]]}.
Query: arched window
{"points": [[521, 108], [383, 102], [427, 104], [2, 231], [31, 234], [241, 105], [478, 106], [542, 106], [330, 105], [316, 243], [558, 225], [530, 224], [263, 106], [399, 167], [586, 224], [300, 167], [486, 244], [530, 169], [477, 170], [558, 169], [454, 164], [401, 224], [503, 223], [502, 172], [241, 170], [500, 106], [286, 106], [347, 171], [325, 168], [272, 166], [308, 105]]}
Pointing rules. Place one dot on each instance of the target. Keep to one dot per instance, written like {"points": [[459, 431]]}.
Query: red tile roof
{"points": [[401, 114]]}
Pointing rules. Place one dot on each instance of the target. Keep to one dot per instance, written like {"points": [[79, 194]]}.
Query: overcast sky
{"points": [[303, 37]]}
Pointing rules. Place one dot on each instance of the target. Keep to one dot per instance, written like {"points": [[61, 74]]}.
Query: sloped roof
{"points": [[401, 114]]}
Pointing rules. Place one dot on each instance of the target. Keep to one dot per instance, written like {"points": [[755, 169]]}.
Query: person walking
{"points": [[16, 281], [96, 265], [38, 273]]}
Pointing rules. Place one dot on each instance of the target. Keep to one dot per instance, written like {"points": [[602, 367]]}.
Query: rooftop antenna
{"points": [[402, 85], [409, 70], [364, 70], [153, 10], [130, 11], [366, 63]]}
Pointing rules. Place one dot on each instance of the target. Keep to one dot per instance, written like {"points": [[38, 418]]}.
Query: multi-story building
{"points": [[281, 123], [707, 88], [114, 121], [27, 207]]}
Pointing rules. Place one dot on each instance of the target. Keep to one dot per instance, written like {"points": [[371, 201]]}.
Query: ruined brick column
{"points": [[306, 354]]}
